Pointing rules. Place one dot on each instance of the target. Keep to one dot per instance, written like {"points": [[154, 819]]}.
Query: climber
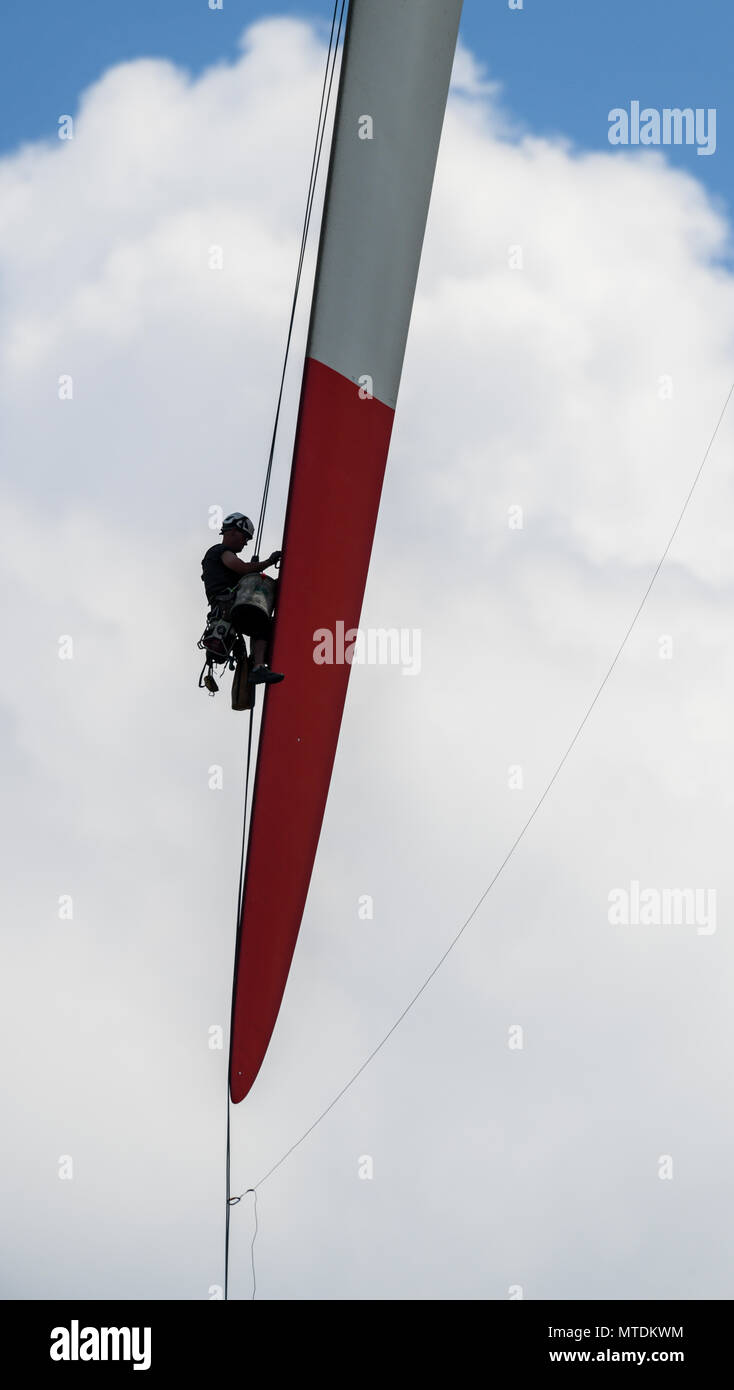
{"points": [[221, 571]]}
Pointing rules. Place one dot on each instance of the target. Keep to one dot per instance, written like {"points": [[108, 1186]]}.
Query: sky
{"points": [[563, 64], [570, 353]]}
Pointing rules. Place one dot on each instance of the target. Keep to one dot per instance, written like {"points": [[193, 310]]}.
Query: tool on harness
{"points": [[218, 635], [226, 647], [217, 638], [207, 682]]}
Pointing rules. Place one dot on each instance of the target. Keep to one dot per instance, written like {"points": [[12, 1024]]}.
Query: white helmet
{"points": [[237, 521]]}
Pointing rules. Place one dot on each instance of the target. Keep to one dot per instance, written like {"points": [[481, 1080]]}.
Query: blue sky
{"points": [[563, 63]]}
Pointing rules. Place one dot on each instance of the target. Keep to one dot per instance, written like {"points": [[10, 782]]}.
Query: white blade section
{"points": [[397, 64]]}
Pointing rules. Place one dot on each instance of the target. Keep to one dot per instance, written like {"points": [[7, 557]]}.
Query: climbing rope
{"points": [[326, 89]]}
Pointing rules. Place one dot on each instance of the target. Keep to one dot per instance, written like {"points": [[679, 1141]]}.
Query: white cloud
{"points": [[536, 387]]}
